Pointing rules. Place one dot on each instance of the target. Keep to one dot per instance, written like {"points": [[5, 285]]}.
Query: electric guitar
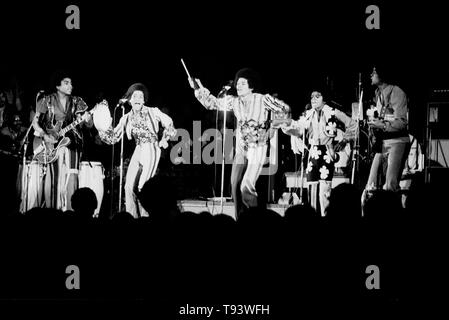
{"points": [[375, 134], [47, 152]]}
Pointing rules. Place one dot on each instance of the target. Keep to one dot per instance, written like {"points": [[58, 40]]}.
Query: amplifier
{"points": [[438, 119], [439, 94]]}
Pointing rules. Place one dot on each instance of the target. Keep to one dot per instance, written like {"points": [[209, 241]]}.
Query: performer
{"points": [[142, 124], [320, 124], [389, 127], [252, 112], [56, 111]]}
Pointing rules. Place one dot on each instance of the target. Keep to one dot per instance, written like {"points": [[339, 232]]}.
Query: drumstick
{"points": [[185, 68]]}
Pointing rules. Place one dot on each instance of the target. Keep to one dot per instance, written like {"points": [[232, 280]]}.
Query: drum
{"points": [[31, 186], [102, 116], [91, 176]]}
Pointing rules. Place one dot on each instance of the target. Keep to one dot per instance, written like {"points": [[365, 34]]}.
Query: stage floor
{"points": [[214, 207]]}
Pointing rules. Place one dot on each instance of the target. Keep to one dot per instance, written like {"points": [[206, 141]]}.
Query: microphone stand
{"points": [[121, 164], [221, 94], [24, 144], [355, 154], [302, 167], [223, 159]]}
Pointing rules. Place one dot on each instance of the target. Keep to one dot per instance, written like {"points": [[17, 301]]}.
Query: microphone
{"points": [[121, 102], [225, 88], [308, 107], [41, 92], [336, 103]]}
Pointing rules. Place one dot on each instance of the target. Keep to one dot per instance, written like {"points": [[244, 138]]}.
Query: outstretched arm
{"points": [[279, 107], [113, 135], [296, 128]]}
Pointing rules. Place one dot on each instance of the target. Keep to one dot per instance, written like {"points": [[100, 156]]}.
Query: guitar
{"points": [[375, 134], [45, 152]]}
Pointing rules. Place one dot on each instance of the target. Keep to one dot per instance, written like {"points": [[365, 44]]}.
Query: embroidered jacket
{"points": [[321, 125], [252, 113], [143, 126], [52, 113]]}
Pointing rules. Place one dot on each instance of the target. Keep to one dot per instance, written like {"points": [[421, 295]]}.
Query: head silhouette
{"points": [[84, 202]]}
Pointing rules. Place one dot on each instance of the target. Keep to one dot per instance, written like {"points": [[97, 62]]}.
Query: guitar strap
{"points": [[71, 116], [51, 110]]}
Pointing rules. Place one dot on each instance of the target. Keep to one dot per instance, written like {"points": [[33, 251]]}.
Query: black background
{"points": [[291, 44]]}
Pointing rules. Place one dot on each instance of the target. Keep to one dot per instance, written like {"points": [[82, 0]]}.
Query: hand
{"points": [[192, 83], [378, 124], [49, 139], [86, 116], [195, 83], [163, 144], [279, 123], [340, 145]]}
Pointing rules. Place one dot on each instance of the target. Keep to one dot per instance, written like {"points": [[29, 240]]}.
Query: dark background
{"points": [[291, 45]]}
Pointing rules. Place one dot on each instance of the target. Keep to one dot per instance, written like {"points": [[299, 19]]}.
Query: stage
{"points": [[213, 206]]}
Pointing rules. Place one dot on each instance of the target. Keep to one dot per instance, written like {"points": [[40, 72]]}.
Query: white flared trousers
{"points": [[142, 167]]}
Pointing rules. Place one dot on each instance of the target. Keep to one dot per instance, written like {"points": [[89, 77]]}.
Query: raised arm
{"points": [[208, 100]]}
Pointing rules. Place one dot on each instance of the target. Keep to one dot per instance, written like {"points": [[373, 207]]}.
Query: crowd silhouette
{"points": [[173, 254]]}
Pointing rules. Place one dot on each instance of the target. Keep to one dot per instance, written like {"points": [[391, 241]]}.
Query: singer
{"points": [[252, 112], [54, 112], [142, 124], [319, 123]]}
